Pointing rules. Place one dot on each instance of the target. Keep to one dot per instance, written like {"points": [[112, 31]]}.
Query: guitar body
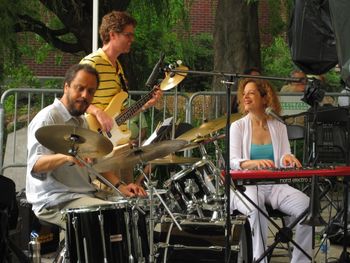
{"points": [[119, 134]]}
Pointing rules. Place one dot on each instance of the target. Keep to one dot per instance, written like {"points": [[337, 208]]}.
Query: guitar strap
{"points": [[123, 83]]}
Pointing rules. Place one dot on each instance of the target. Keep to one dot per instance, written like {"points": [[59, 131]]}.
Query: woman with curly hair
{"points": [[261, 142]]}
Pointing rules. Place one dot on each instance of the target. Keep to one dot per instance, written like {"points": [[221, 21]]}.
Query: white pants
{"points": [[284, 198]]}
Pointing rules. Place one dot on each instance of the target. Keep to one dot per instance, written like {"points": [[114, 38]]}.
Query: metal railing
{"points": [[18, 106]]}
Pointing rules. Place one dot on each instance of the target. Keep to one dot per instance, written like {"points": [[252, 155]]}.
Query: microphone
{"points": [[272, 113], [153, 77]]}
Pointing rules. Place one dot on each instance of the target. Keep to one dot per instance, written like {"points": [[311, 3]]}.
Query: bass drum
{"points": [[203, 241]]}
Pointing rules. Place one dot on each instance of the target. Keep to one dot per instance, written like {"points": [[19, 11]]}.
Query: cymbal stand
{"points": [[220, 165], [150, 186], [218, 206]]}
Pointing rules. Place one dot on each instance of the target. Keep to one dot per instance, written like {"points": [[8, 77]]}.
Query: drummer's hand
{"points": [[289, 160], [72, 160], [131, 190], [104, 120]]}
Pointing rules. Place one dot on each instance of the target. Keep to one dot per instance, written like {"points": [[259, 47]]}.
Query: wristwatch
{"points": [[119, 184]]}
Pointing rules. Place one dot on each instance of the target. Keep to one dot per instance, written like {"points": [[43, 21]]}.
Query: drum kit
{"points": [[141, 229]]}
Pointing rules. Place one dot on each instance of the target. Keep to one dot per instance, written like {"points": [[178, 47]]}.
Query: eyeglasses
{"points": [[128, 34]]}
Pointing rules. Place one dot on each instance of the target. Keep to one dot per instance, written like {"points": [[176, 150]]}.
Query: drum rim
{"points": [[99, 207]]}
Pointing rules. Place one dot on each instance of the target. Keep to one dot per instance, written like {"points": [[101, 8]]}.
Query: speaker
{"points": [[330, 128], [311, 37]]}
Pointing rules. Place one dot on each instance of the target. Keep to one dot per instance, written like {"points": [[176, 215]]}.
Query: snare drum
{"points": [[192, 187], [105, 233]]}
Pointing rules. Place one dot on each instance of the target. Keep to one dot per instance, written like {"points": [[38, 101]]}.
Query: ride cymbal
{"points": [[207, 128], [173, 78], [67, 139], [138, 155]]}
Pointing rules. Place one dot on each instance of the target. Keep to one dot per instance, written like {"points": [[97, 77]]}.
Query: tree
{"points": [[236, 38], [67, 26]]}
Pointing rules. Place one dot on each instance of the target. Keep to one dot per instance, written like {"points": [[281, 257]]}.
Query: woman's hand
{"points": [[257, 164], [289, 160]]}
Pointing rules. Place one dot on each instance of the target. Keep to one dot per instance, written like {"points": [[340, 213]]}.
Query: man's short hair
{"points": [[73, 71], [115, 21]]}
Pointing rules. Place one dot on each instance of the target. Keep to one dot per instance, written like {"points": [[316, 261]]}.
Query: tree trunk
{"points": [[236, 40]]}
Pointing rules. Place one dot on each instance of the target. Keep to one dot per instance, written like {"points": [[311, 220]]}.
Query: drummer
{"points": [[56, 182]]}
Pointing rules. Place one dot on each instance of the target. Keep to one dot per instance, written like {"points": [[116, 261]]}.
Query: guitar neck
{"points": [[129, 112]]}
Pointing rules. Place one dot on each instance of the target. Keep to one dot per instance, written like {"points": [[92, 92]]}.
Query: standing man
{"points": [[117, 32], [55, 181]]}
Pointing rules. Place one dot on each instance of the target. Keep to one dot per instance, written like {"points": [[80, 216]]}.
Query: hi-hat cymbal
{"points": [[174, 159], [67, 139], [138, 155], [173, 78], [207, 128]]}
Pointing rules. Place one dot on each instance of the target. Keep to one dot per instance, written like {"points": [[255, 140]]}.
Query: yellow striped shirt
{"points": [[110, 77]]}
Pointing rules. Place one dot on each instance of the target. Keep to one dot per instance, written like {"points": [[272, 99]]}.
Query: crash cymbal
{"points": [[138, 155], [173, 78], [207, 128], [174, 159], [79, 141]]}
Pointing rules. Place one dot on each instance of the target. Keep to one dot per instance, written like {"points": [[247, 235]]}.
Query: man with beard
{"points": [[56, 182]]}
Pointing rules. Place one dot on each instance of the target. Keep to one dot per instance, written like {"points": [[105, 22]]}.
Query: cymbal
{"points": [[174, 159], [67, 139], [207, 128], [173, 78], [201, 140], [138, 155]]}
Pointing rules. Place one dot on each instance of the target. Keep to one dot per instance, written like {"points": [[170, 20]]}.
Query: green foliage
{"points": [[160, 29], [276, 60], [276, 23], [200, 58], [20, 76]]}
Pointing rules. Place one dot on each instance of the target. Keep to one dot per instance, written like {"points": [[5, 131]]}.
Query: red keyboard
{"points": [[283, 176]]}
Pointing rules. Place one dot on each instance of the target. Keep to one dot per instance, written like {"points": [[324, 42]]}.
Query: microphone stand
{"points": [[227, 166], [314, 218], [345, 256]]}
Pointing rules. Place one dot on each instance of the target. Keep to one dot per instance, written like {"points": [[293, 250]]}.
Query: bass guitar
{"points": [[119, 134]]}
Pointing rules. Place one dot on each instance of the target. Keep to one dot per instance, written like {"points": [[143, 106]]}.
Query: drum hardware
{"points": [[195, 239], [128, 237], [148, 183], [75, 226], [136, 238], [102, 231]]}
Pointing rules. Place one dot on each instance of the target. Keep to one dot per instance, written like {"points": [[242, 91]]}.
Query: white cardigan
{"points": [[241, 140]]}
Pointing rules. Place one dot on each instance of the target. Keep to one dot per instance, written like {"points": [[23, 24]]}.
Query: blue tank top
{"points": [[261, 151]]}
